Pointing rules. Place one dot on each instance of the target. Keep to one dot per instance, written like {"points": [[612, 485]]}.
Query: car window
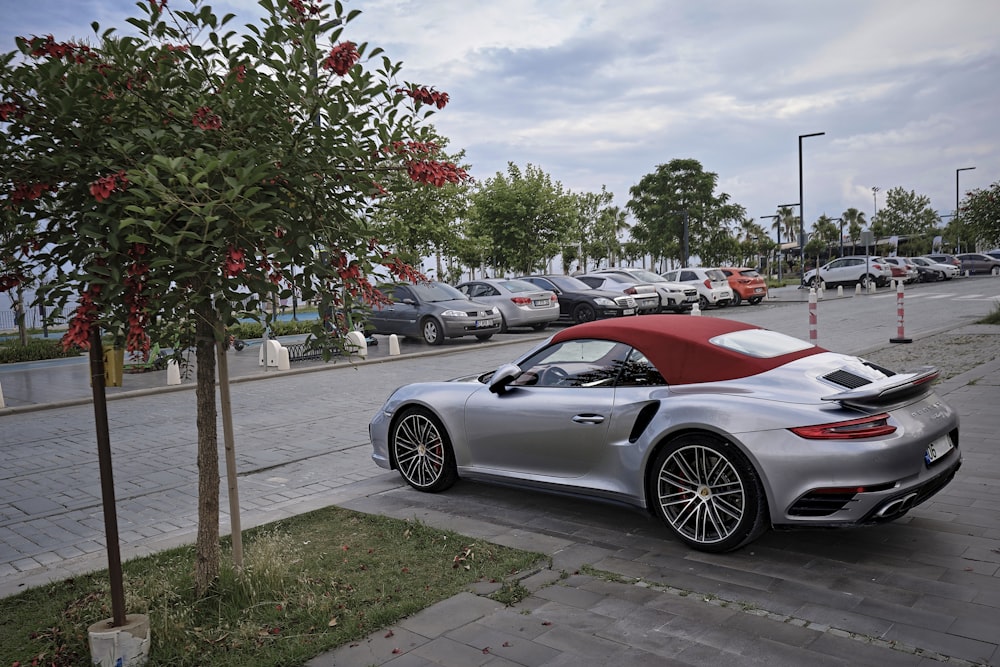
{"points": [[574, 363], [670, 276], [689, 275], [750, 273], [638, 371], [400, 293], [516, 286], [715, 274], [592, 281]]}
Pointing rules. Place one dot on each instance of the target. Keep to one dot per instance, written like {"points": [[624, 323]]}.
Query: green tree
{"points": [[417, 221], [605, 243], [524, 218], [825, 234], [980, 213], [680, 191], [181, 179], [590, 206], [907, 214], [855, 221]]}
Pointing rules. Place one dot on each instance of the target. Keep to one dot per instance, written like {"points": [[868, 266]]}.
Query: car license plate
{"points": [[482, 324], [628, 311], [542, 302], [937, 449]]}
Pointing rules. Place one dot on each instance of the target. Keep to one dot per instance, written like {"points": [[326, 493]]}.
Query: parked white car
{"points": [[937, 269], [712, 285], [673, 296], [851, 270]]}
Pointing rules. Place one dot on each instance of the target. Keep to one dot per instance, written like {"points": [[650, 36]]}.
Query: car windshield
{"points": [[518, 286], [647, 276], [434, 291]]}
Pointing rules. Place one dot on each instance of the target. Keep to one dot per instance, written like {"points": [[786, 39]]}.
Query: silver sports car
{"points": [[720, 428]]}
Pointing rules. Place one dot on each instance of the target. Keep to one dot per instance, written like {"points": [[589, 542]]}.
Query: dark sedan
{"points": [[579, 302], [433, 311]]}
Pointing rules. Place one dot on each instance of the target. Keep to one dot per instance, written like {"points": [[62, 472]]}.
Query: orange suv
{"points": [[748, 285]]}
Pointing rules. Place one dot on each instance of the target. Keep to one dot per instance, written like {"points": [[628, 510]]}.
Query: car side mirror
{"points": [[409, 302], [503, 377]]}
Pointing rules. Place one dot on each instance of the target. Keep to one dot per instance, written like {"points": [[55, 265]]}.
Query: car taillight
{"points": [[521, 300], [631, 290], [708, 283], [865, 427]]}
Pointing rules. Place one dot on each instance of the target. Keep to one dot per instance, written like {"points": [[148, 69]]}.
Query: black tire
{"points": [[755, 300], [541, 326], [484, 336], [722, 303], [431, 332], [503, 325], [815, 282], [707, 493], [702, 302], [584, 312], [737, 299], [866, 280], [421, 451]]}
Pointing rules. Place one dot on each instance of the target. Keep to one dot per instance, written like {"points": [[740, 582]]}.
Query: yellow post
{"points": [[114, 363]]}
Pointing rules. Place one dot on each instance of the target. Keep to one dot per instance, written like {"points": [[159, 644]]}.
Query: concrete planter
{"points": [[122, 646]]}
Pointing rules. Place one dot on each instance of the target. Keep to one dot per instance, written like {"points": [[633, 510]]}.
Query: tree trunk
{"points": [[207, 554], [22, 327]]}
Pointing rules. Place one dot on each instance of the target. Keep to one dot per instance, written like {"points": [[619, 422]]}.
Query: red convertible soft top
{"points": [[679, 346]]}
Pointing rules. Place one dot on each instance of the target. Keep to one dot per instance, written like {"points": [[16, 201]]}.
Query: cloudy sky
{"points": [[599, 92]]}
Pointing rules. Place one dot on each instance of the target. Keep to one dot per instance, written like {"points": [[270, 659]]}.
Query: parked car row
{"points": [[880, 271], [434, 311]]}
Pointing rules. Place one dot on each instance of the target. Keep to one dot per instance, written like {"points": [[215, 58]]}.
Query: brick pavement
{"points": [[920, 591]]}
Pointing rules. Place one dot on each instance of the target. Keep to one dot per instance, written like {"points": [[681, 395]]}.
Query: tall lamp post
{"points": [[956, 192], [802, 213]]}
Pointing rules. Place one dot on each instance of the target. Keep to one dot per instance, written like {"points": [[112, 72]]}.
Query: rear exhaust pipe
{"points": [[897, 506]]}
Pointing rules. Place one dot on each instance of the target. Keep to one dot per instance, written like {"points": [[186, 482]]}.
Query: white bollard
{"points": [[284, 362], [812, 315], [840, 290], [356, 344], [857, 289], [173, 372], [695, 309], [2, 404], [272, 348], [393, 345], [966, 273]]}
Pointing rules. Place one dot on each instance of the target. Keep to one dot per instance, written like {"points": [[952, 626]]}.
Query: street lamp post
{"points": [[802, 213], [956, 191]]}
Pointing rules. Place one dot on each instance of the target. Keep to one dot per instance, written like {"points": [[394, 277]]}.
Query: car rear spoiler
{"points": [[894, 388]]}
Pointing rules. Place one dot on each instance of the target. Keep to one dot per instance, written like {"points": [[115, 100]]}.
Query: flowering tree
{"points": [[980, 213], [180, 174]]}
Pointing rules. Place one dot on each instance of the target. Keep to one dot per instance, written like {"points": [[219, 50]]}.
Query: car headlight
{"points": [[454, 313], [605, 302], [496, 311]]}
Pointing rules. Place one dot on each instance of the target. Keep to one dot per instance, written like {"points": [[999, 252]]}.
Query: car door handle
{"points": [[588, 419]]}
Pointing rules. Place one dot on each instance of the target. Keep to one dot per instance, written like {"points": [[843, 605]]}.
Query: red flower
{"points": [[24, 192], [78, 333], [435, 173], [342, 58], [102, 188], [206, 120], [426, 96], [235, 262]]}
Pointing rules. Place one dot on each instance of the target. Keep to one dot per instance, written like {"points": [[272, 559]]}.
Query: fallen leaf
{"points": [[389, 634], [332, 623]]}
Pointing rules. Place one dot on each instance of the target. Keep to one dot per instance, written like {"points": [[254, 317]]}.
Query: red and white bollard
{"points": [[812, 315], [900, 335]]}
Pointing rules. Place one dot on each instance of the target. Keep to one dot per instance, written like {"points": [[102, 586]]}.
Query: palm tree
{"points": [[855, 221]]}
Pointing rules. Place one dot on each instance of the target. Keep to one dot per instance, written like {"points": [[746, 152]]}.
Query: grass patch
{"points": [[309, 584], [992, 318]]}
